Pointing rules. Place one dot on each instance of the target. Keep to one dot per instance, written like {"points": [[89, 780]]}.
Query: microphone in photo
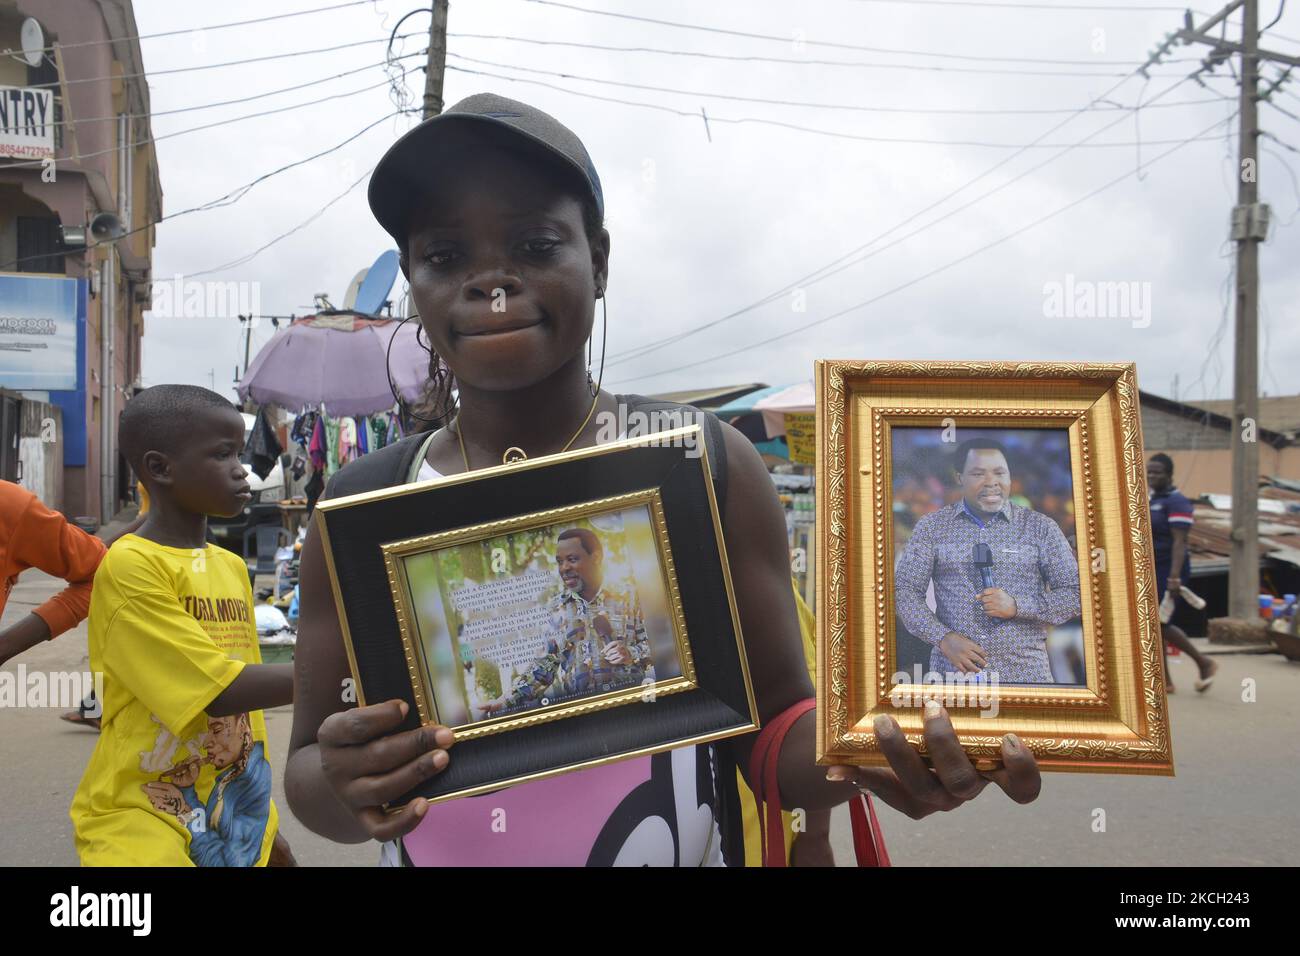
{"points": [[982, 555]]}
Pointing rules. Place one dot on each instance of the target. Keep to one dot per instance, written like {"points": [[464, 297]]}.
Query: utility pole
{"points": [[1249, 228], [1243, 573], [437, 60]]}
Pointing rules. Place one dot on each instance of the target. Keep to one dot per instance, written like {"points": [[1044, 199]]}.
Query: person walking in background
{"points": [[1171, 519]]}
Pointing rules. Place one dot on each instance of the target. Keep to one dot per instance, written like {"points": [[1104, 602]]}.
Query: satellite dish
{"points": [[350, 300], [33, 42], [377, 283]]}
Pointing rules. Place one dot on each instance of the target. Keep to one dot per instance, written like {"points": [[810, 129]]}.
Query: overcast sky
{"points": [[707, 222]]}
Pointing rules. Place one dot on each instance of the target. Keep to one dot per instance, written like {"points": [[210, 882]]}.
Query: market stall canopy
{"points": [[339, 360], [710, 399], [792, 400], [745, 403]]}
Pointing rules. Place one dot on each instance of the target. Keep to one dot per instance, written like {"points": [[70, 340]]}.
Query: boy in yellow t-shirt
{"points": [[179, 776]]}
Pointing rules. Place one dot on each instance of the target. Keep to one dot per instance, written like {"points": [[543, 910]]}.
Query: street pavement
{"points": [[1232, 803]]}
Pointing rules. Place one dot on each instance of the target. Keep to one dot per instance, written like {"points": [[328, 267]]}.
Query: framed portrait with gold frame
{"points": [[557, 613], [985, 542]]}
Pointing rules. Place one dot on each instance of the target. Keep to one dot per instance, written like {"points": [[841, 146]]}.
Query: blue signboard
{"points": [[43, 348], [38, 333]]}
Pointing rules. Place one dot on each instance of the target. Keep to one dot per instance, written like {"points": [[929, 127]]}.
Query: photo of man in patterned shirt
{"points": [[1002, 573], [597, 640]]}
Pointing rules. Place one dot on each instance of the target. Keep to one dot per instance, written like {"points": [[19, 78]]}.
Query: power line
{"points": [[756, 58], [785, 40], [195, 129], [943, 268], [214, 26], [805, 104], [228, 199], [1056, 61], [793, 126], [245, 99], [853, 258], [208, 66], [1044, 7], [285, 235]]}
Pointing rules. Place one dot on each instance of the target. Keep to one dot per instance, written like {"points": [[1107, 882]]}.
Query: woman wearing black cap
{"points": [[498, 212]]}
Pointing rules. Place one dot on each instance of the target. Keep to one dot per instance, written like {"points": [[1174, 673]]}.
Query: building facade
{"points": [[79, 194]]}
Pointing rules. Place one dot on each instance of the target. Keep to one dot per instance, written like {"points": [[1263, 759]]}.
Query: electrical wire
{"points": [[207, 66], [926, 275], [284, 235], [802, 104], [859, 254], [213, 26], [207, 106], [795, 126], [755, 58], [228, 199], [28, 164]]}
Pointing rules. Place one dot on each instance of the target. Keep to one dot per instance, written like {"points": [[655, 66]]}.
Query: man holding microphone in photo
{"points": [[1002, 574]]}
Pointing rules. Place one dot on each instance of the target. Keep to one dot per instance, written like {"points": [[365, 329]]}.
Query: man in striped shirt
{"points": [[996, 625]]}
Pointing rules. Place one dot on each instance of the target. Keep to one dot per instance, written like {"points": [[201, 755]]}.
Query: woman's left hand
{"points": [[911, 787]]}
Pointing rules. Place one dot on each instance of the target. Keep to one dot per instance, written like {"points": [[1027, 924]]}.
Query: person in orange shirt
{"points": [[33, 536]]}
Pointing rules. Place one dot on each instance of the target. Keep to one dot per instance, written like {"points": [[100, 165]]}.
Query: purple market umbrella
{"points": [[337, 360]]}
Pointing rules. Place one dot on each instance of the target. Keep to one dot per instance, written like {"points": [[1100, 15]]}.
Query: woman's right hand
{"points": [[368, 765]]}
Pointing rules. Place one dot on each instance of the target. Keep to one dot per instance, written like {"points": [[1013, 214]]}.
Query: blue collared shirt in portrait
{"points": [[1032, 562]]}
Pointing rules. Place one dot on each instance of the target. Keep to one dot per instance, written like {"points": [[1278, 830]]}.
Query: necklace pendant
{"points": [[512, 455]]}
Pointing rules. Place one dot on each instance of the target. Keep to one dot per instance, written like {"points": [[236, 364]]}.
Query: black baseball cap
{"points": [[411, 163]]}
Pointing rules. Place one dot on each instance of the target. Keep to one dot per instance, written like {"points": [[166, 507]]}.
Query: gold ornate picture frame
{"points": [[656, 604], [1113, 716]]}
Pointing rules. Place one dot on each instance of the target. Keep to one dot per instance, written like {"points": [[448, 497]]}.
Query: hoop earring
{"points": [[388, 371]]}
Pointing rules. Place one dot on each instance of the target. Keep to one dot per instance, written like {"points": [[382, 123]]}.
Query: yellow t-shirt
{"points": [[167, 785]]}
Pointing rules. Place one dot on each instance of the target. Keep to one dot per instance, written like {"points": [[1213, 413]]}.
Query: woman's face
{"points": [[500, 270]]}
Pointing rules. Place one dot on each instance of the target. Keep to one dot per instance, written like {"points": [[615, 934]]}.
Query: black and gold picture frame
{"points": [[557, 613]]}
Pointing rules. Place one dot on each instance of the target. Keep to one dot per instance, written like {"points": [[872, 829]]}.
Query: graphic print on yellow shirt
{"points": [[170, 629]]}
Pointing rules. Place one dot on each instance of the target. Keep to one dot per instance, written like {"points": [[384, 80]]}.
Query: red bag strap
{"points": [[868, 844]]}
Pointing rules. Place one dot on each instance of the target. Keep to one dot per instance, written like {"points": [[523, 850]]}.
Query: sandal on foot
{"points": [[1203, 684], [75, 717]]}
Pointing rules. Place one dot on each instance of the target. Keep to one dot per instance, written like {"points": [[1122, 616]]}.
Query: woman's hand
{"points": [[368, 765], [911, 787]]}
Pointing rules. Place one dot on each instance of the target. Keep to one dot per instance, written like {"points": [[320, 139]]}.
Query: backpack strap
{"points": [[713, 438]]}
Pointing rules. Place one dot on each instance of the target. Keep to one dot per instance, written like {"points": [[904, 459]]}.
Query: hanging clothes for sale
{"points": [[317, 450], [363, 435], [331, 445], [347, 440], [263, 447], [378, 425], [303, 427]]}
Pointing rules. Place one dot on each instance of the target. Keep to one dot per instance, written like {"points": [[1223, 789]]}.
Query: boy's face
{"points": [[501, 272], [206, 476]]}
